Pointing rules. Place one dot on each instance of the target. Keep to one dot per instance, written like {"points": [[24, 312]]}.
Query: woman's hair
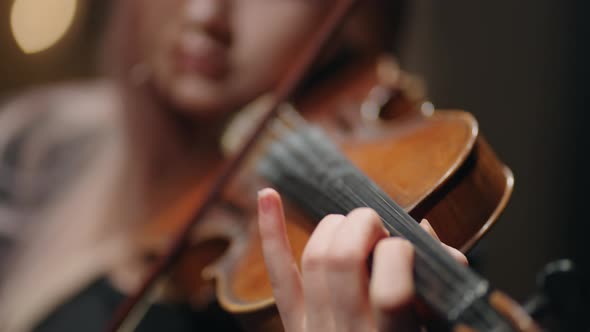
{"points": [[120, 44], [381, 23]]}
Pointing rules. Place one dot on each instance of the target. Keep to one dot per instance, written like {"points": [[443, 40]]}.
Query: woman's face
{"points": [[211, 56]]}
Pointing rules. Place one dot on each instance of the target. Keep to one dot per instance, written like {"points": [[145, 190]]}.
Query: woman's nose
{"points": [[209, 15]]}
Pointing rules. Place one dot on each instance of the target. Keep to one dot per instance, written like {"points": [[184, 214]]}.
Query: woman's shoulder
{"points": [[74, 102], [48, 135], [38, 119]]}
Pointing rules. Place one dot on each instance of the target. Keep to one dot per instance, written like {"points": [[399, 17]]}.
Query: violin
{"points": [[428, 163]]}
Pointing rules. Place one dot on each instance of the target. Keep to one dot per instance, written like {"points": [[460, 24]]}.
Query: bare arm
{"points": [[45, 136], [17, 124]]}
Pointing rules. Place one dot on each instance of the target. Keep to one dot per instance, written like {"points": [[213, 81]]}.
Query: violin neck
{"points": [[310, 170]]}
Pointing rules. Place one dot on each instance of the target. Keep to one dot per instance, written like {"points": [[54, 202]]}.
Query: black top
{"points": [[92, 309], [40, 156]]}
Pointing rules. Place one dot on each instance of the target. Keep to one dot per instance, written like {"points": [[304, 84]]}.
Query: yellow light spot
{"points": [[38, 24]]}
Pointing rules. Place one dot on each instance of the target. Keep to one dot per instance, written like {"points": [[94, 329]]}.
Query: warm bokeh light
{"points": [[38, 24]]}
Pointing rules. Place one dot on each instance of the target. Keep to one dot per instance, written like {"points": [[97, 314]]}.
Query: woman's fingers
{"points": [[458, 255], [318, 310], [335, 293], [347, 271], [281, 266], [428, 228], [392, 285]]}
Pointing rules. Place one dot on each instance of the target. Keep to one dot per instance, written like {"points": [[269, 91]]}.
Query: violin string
{"points": [[363, 183], [345, 208], [449, 279], [420, 281], [484, 311], [428, 274], [407, 222], [295, 118], [282, 155], [413, 228], [432, 271]]}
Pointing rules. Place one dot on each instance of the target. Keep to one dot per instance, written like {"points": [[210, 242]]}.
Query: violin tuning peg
{"points": [[388, 71], [289, 115]]}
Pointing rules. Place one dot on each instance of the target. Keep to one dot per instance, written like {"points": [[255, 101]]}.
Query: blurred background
{"points": [[518, 66]]}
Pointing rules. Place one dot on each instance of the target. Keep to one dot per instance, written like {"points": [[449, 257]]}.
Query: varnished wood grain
{"points": [[436, 166]]}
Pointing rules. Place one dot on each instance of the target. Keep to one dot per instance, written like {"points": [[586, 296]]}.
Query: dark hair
{"points": [[381, 22], [120, 39]]}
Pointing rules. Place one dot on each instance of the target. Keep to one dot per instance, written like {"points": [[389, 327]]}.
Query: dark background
{"points": [[519, 66]]}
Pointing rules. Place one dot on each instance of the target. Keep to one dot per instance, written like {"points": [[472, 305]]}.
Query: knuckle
{"points": [[313, 259], [314, 255], [385, 295], [344, 258], [390, 301], [332, 218], [378, 298], [463, 260], [372, 214], [458, 255], [364, 213], [394, 246], [382, 247], [368, 218]]}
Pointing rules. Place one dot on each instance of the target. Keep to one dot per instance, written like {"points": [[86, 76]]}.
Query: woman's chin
{"points": [[199, 102]]}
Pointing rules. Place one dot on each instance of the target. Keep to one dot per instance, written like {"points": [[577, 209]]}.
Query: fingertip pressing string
{"points": [[309, 169]]}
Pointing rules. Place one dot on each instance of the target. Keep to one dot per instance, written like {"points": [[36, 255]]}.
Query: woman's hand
{"points": [[333, 291]]}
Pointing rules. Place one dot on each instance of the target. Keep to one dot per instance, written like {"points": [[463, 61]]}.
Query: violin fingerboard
{"points": [[310, 170]]}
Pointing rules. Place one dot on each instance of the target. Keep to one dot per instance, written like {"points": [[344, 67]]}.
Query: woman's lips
{"points": [[200, 54]]}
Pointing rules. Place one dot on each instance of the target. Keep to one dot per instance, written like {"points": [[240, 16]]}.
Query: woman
{"points": [[139, 139]]}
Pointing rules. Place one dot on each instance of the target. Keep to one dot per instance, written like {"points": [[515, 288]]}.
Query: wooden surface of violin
{"points": [[434, 164]]}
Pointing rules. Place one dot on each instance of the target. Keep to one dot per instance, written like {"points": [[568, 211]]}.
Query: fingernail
{"points": [[263, 199]]}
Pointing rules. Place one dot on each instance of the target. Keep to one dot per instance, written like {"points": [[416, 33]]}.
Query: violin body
{"points": [[434, 164]]}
